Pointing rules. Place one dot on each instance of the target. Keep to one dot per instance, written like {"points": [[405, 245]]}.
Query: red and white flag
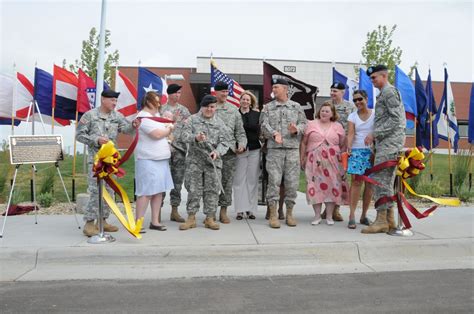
{"points": [[16, 96], [127, 101]]}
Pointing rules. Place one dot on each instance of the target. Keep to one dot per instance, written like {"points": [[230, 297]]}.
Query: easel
{"points": [[31, 110]]}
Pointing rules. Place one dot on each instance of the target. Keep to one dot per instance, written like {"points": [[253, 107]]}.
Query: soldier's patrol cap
{"points": [[338, 85], [207, 100], [173, 88], [221, 85], [376, 68], [279, 80], [109, 93]]}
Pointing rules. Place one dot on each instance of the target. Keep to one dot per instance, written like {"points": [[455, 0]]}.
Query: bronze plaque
{"points": [[34, 149]]}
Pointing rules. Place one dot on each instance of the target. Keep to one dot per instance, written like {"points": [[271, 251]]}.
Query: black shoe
{"points": [[240, 216], [159, 228], [250, 215]]}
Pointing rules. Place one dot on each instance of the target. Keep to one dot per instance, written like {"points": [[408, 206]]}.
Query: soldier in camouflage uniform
{"points": [[389, 134], [230, 115], [179, 114], [96, 127], [282, 124], [207, 138], [343, 108]]}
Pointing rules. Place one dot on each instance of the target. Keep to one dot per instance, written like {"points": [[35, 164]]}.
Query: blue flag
{"points": [[422, 109], [8, 121], [471, 117], [351, 85], [407, 91], [44, 91], [44, 94], [430, 123], [366, 84], [147, 82]]}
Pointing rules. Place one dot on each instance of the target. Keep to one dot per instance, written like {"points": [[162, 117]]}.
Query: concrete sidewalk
{"points": [[55, 249]]}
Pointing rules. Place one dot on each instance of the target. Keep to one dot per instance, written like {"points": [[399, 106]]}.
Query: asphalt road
{"points": [[446, 291]]}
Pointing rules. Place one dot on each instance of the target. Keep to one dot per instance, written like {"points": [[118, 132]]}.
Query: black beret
{"points": [[338, 85], [207, 100], [279, 80], [221, 85], [376, 68], [173, 88], [110, 94]]}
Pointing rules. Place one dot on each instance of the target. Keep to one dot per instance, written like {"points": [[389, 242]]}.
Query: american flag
{"points": [[235, 90]]}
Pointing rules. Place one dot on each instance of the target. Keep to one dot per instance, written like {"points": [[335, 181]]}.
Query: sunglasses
{"points": [[357, 99]]}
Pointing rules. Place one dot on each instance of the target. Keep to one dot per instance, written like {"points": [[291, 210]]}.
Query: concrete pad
{"points": [[15, 263], [418, 255], [177, 262], [50, 231]]}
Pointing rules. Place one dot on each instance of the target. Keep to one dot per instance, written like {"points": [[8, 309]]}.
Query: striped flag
{"points": [[235, 90], [64, 93]]}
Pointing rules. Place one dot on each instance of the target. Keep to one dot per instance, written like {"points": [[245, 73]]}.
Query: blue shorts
{"points": [[359, 161]]}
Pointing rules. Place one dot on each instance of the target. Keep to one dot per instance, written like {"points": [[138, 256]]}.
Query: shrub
{"points": [[45, 199]]}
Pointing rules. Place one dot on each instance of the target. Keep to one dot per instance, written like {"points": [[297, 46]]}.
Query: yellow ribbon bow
{"points": [[105, 165], [411, 164]]}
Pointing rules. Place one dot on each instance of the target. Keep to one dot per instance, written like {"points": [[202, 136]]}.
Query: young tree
{"points": [[90, 55], [378, 50]]}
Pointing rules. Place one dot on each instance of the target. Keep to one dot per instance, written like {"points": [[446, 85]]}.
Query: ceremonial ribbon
{"points": [[408, 165], [107, 162]]}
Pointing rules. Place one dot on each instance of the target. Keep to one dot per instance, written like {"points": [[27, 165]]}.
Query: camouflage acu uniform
{"points": [[178, 150], [282, 159], [92, 125], [343, 110], [389, 133], [230, 115], [201, 177]]}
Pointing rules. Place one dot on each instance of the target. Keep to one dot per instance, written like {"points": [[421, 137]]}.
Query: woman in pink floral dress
{"points": [[321, 148]]}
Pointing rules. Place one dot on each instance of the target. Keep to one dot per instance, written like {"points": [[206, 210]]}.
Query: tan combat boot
{"points": [[189, 223], [380, 224], [223, 215], [108, 227], [273, 222], [290, 221], [174, 216], [90, 229], [211, 224], [391, 219], [336, 215]]}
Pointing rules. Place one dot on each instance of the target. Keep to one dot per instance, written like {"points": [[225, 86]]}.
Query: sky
{"points": [[174, 33]]}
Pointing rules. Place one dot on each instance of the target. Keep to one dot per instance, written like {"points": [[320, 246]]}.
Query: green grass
{"points": [[22, 185], [440, 177]]}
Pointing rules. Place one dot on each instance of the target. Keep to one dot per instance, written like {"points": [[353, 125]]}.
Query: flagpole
{"points": [[100, 62], [14, 97], [53, 105], [448, 133], [74, 157], [431, 146], [431, 125]]}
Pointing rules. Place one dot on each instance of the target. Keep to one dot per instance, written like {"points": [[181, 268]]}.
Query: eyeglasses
{"points": [[357, 99]]}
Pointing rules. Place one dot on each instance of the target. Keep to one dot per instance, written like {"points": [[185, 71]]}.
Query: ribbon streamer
{"points": [[409, 165]]}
